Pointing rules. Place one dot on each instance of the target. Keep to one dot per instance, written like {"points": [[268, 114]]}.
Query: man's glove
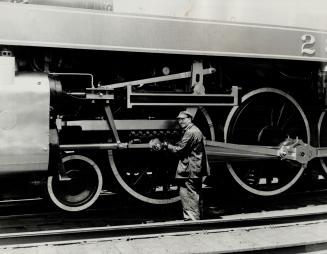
{"points": [[155, 144]]}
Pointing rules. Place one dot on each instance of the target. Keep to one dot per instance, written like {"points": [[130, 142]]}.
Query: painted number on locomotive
{"points": [[308, 45]]}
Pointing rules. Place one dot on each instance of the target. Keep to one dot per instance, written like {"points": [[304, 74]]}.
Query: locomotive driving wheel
{"points": [[82, 185], [150, 176], [322, 137], [266, 117]]}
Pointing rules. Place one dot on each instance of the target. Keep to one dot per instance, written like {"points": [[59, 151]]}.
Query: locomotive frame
{"points": [[282, 76]]}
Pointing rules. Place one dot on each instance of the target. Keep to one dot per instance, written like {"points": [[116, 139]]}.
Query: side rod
{"points": [[290, 149], [215, 150]]}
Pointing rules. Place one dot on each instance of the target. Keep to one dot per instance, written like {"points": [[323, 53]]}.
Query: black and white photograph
{"points": [[163, 126]]}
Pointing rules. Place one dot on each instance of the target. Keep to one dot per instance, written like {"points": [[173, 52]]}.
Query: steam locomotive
{"points": [[86, 85]]}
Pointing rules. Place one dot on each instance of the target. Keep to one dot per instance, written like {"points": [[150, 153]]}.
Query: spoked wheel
{"points": [[266, 116], [322, 137], [150, 176], [82, 186]]}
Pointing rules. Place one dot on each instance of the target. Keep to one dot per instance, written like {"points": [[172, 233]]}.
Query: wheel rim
{"points": [[83, 188], [154, 181], [266, 116]]}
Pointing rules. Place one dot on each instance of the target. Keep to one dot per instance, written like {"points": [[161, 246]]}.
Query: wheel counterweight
{"points": [[81, 189], [267, 117]]}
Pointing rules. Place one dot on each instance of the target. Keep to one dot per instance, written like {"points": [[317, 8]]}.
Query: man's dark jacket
{"points": [[191, 152]]}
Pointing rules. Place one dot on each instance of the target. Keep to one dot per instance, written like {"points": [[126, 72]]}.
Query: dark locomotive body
{"points": [[88, 89]]}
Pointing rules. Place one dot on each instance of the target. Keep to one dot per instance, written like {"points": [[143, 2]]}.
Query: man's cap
{"points": [[184, 114]]}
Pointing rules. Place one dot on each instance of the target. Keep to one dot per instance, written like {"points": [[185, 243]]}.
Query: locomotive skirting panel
{"points": [[100, 30]]}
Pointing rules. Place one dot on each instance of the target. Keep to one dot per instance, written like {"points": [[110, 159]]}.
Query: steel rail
{"points": [[153, 229]]}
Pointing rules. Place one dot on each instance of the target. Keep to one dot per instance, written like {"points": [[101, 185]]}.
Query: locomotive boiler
{"points": [[85, 87]]}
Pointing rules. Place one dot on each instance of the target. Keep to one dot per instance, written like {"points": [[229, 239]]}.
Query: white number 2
{"points": [[308, 42]]}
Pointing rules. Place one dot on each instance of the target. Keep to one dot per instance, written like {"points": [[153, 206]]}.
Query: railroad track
{"points": [[38, 216], [210, 229], [59, 229]]}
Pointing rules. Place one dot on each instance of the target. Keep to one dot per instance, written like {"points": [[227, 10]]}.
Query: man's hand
{"points": [[155, 144], [164, 145]]}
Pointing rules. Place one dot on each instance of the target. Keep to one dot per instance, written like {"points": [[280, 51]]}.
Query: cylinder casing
{"points": [[7, 73], [24, 124]]}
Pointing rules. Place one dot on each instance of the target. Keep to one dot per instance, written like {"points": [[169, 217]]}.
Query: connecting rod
{"points": [[290, 149]]}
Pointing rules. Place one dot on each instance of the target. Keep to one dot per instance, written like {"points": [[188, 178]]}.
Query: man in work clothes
{"points": [[191, 167]]}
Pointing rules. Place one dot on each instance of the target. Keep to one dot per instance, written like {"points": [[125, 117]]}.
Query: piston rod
{"points": [[103, 146]]}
